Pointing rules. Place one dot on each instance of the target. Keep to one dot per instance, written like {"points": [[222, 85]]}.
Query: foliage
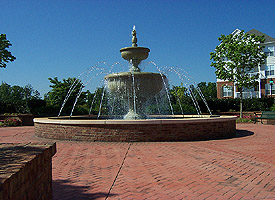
{"points": [[244, 52], [37, 106], [94, 100], [273, 106], [56, 96], [258, 104], [181, 100], [10, 122], [236, 56], [245, 119], [209, 90], [5, 55], [233, 105], [15, 98]]}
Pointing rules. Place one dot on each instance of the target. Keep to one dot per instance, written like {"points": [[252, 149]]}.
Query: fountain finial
{"points": [[134, 38], [134, 54]]}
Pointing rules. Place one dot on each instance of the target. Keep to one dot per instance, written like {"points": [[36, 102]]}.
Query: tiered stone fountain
{"points": [[137, 87]]}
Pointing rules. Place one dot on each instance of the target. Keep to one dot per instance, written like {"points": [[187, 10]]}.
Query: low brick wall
{"points": [[171, 130], [26, 171]]}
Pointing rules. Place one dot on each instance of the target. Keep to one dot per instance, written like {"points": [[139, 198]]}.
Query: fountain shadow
{"points": [[243, 133], [64, 189], [238, 134]]}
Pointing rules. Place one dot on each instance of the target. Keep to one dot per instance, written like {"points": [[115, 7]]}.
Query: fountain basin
{"points": [[140, 53], [147, 84], [135, 88], [189, 128]]}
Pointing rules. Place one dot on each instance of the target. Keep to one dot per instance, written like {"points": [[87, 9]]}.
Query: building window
{"points": [[227, 91], [269, 70], [269, 51], [267, 89]]}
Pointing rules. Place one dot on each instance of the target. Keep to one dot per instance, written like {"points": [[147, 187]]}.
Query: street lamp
{"points": [[271, 83]]}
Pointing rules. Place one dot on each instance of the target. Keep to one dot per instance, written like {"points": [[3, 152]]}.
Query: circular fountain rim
{"points": [[190, 119], [134, 48], [119, 74]]}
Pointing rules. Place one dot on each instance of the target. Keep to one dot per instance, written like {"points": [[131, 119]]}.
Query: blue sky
{"points": [[62, 38]]}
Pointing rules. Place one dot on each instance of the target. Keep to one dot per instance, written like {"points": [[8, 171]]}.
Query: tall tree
{"points": [[237, 55], [5, 55], [66, 89]]}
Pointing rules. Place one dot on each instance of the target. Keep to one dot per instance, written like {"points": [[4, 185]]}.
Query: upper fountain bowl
{"points": [[134, 53]]}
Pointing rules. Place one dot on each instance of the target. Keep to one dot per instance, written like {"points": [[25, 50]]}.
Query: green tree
{"points": [[95, 99], [237, 55], [181, 100], [16, 98], [209, 90], [67, 89], [5, 55]]}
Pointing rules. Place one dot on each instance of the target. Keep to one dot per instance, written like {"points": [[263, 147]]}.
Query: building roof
{"points": [[258, 33]]}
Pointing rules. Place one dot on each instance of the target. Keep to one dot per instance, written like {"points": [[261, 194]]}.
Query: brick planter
{"points": [[154, 130], [26, 171]]}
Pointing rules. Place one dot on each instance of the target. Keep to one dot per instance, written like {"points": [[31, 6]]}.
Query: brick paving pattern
{"points": [[237, 168]]}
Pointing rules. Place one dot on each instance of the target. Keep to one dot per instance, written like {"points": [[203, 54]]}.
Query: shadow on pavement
{"points": [[65, 190], [243, 133]]}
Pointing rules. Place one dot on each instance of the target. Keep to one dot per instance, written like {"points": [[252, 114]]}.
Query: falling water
{"points": [[92, 103], [118, 107], [85, 78], [179, 103], [157, 105], [81, 88], [166, 88], [100, 106], [183, 78], [134, 92], [204, 100]]}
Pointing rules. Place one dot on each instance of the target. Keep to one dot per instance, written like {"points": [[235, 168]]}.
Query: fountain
{"points": [[136, 88]]}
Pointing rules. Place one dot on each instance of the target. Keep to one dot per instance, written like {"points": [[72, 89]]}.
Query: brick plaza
{"points": [[236, 168]]}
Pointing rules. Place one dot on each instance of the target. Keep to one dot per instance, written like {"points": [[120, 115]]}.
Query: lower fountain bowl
{"points": [[176, 128], [146, 84]]}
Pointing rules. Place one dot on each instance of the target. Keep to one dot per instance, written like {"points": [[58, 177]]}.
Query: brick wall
{"points": [[26, 171], [199, 130]]}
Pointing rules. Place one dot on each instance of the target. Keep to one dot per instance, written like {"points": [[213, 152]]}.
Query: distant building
{"points": [[226, 89]]}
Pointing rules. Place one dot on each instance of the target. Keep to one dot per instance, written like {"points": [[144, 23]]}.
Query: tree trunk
{"points": [[241, 103]]}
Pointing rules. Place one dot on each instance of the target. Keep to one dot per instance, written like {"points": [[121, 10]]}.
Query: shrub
{"points": [[250, 104], [273, 106], [246, 119], [10, 122]]}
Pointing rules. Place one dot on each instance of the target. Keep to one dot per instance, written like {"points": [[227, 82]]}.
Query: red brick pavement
{"points": [[237, 168]]}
